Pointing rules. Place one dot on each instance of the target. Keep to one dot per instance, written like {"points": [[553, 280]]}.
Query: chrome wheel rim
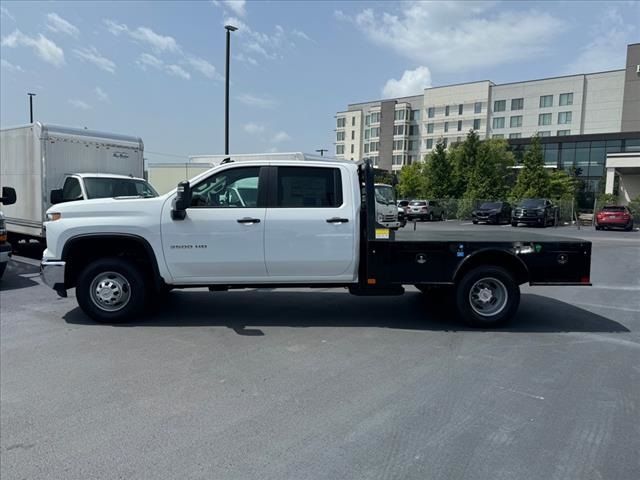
{"points": [[110, 291], [488, 297]]}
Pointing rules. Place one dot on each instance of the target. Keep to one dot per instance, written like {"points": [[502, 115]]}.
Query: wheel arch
{"points": [[494, 257], [81, 249]]}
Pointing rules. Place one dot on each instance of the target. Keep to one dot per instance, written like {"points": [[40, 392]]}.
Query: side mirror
{"points": [[182, 201], [56, 196], [8, 196]]}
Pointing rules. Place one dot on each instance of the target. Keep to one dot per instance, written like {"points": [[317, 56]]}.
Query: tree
{"points": [[463, 158], [490, 175], [437, 172], [562, 185], [533, 180], [411, 182]]}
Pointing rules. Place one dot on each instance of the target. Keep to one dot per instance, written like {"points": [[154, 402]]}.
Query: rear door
{"points": [[310, 225]]}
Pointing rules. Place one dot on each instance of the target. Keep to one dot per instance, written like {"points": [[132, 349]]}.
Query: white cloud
{"points": [[301, 34], [57, 24], [102, 95], [254, 128], [412, 82], [4, 13], [147, 60], [79, 104], [178, 71], [44, 48], [607, 48], [241, 57], [158, 43], [237, 6], [92, 55], [204, 67], [256, 101], [281, 137], [459, 36], [10, 66]]}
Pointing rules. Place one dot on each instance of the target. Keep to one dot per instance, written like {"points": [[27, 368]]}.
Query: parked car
{"points": [[492, 212], [402, 217], [404, 204], [614, 216], [8, 198], [535, 211], [425, 210]]}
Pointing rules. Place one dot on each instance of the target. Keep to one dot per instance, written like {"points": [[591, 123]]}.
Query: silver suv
{"points": [[425, 210]]}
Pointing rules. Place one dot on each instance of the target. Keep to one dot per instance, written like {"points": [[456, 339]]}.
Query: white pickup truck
{"points": [[285, 224]]}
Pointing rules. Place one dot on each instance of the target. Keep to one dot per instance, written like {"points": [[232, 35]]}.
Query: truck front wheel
{"points": [[111, 290], [487, 297]]}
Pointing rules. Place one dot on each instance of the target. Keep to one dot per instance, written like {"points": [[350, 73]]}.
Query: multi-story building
{"points": [[399, 131]]}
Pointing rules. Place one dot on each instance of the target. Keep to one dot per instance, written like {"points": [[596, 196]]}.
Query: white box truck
{"points": [[37, 158]]}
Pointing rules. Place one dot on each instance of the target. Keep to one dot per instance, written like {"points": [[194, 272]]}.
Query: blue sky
{"points": [[155, 69]]}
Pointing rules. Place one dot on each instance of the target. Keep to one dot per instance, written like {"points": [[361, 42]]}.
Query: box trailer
{"points": [[36, 158]]}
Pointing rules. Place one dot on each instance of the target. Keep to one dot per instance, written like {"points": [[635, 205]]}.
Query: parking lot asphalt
{"points": [[293, 384]]}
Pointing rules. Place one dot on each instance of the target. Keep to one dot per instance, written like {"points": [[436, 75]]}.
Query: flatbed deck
{"points": [[495, 235]]}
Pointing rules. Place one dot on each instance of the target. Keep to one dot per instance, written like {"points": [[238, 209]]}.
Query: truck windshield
{"points": [[385, 195], [104, 187], [532, 203]]}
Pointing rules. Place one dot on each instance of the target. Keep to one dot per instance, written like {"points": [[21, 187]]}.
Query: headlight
{"points": [[53, 216], [380, 217]]}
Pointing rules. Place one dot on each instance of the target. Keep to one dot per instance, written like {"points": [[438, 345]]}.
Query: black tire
{"points": [[133, 286], [628, 228], [598, 227], [507, 293], [475, 222], [3, 266], [431, 217], [442, 217], [514, 224]]}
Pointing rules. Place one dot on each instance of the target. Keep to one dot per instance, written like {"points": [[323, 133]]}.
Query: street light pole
{"points": [[229, 29], [31, 95], [321, 151]]}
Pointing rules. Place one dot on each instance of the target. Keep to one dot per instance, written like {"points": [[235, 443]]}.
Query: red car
{"points": [[614, 216]]}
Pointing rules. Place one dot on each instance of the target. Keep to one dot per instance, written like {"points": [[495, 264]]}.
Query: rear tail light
{"points": [[585, 279]]}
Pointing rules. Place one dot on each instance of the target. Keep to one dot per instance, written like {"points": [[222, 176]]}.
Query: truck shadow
{"points": [[250, 312], [16, 276]]}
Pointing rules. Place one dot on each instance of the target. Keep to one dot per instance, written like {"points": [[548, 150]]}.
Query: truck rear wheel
{"points": [[111, 290], [487, 296]]}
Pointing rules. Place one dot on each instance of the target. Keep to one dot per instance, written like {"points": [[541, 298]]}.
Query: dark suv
{"points": [[492, 212], [535, 211]]}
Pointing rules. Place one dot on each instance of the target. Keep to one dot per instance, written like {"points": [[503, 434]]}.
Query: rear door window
{"points": [[71, 190], [308, 187]]}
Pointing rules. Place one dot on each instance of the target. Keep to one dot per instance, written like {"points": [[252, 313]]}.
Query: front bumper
{"points": [[52, 273], [5, 252], [529, 220]]}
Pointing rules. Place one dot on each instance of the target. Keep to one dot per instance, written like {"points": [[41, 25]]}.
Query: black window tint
{"points": [[233, 188], [71, 190], [309, 187]]}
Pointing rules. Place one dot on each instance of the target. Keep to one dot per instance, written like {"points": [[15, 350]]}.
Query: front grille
{"points": [[389, 218], [523, 212]]}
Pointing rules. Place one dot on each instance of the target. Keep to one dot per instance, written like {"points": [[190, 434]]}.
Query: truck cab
{"points": [[386, 208]]}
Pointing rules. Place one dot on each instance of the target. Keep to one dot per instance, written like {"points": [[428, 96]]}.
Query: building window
{"points": [[546, 101], [411, 145], [445, 142], [431, 112], [544, 118], [517, 104], [564, 117], [341, 122], [477, 107], [366, 134], [375, 132], [398, 130], [339, 149], [353, 134], [373, 146], [429, 143], [375, 117], [429, 127], [353, 121], [352, 148], [446, 126], [413, 129], [367, 120], [398, 159], [460, 109], [446, 111], [545, 133], [498, 122], [562, 133], [566, 99], [340, 136], [497, 135], [499, 105], [516, 121], [366, 148], [459, 125], [415, 115], [515, 135], [399, 114], [476, 124]]}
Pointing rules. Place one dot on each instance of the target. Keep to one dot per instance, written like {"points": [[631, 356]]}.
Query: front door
{"points": [[310, 225], [221, 238]]}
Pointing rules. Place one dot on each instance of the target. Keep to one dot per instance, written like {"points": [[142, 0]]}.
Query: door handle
{"points": [[248, 220], [337, 220]]}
